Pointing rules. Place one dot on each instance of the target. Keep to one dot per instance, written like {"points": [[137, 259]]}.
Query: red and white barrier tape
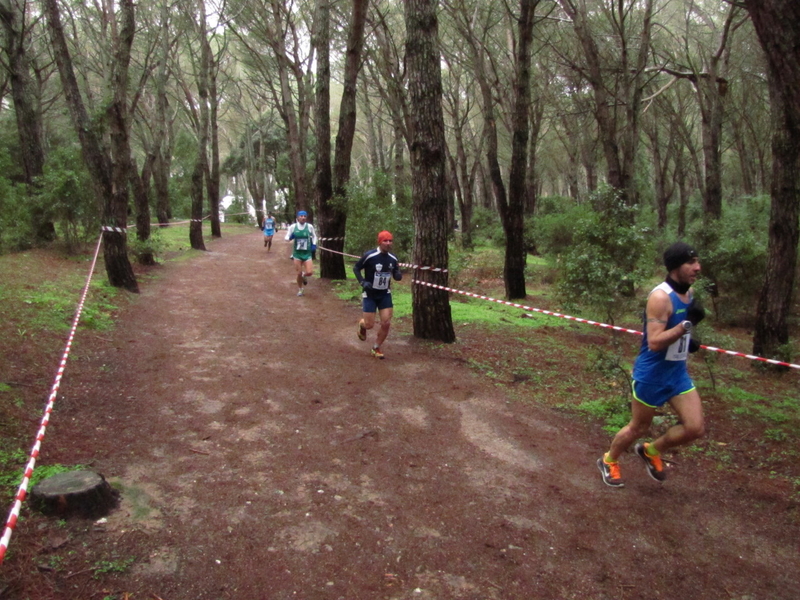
{"points": [[336, 252], [604, 325], [13, 515], [168, 224], [416, 267]]}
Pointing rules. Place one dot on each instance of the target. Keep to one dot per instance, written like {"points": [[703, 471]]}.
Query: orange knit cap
{"points": [[384, 236]]}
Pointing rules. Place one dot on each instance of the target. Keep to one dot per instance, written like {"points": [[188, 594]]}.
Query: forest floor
{"points": [[262, 453]]}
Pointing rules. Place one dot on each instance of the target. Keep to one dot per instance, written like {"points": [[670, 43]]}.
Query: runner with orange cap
{"points": [[379, 266]]}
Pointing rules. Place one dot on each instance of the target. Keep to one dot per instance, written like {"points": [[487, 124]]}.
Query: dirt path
{"points": [[264, 454]]}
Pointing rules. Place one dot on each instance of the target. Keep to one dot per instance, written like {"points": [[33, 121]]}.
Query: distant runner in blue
{"points": [[379, 267], [269, 231]]}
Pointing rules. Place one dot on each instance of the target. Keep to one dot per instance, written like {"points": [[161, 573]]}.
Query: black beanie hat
{"points": [[678, 254]]}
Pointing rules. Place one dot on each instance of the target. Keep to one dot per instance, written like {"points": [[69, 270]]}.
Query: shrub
{"points": [[554, 231], [487, 228], [603, 266], [371, 208], [733, 253], [66, 188]]}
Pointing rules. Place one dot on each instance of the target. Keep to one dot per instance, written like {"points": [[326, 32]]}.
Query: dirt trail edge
{"points": [[263, 453]]}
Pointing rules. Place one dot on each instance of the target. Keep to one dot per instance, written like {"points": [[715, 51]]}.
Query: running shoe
{"points": [[300, 293], [305, 281], [610, 472], [655, 466], [362, 331], [376, 352]]}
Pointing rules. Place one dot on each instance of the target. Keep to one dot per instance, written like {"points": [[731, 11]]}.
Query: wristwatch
{"points": [[687, 325]]}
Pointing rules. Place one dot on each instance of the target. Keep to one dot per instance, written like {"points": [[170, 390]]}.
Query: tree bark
{"points": [[513, 213], [140, 185], [431, 307], [330, 263], [27, 109], [294, 121], [333, 215], [213, 175], [777, 24], [109, 170]]}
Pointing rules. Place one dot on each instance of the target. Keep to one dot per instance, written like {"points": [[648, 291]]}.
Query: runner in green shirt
{"points": [[305, 244]]}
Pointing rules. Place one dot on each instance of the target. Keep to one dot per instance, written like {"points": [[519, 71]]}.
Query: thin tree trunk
{"points": [[213, 175], [140, 185]]}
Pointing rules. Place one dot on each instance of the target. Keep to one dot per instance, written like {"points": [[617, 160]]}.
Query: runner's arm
{"points": [[659, 310]]}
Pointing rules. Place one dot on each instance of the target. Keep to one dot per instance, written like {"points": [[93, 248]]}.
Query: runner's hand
{"points": [[366, 285], [695, 312]]}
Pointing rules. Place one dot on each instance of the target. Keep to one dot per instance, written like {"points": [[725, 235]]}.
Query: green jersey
{"points": [[304, 237]]}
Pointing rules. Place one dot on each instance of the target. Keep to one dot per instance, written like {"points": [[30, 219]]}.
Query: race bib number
{"points": [[679, 350], [302, 243], [381, 281]]}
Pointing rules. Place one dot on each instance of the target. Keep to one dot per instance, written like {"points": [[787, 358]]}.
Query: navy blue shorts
{"points": [[655, 395], [371, 305]]}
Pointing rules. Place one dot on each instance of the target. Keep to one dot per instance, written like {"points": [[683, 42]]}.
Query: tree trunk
{"points": [[196, 225], [161, 164], [431, 307], [293, 121], [110, 176], [213, 176], [140, 184], [26, 110], [330, 263], [777, 24], [513, 214], [201, 169], [334, 215]]}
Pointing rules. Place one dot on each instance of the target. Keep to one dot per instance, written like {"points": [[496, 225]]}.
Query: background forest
{"points": [[589, 132]]}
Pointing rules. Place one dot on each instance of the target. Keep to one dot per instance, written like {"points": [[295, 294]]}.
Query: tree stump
{"points": [[83, 493]]}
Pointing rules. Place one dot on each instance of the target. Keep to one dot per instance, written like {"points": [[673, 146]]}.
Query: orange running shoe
{"points": [[610, 472], [655, 466]]}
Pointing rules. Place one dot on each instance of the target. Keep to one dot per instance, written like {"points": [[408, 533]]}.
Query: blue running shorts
{"points": [[371, 305], [655, 395]]}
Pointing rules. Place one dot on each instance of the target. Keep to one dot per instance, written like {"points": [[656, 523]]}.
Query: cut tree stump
{"points": [[83, 493]]}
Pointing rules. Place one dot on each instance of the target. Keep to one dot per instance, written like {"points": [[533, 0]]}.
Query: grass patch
{"points": [[12, 468]]}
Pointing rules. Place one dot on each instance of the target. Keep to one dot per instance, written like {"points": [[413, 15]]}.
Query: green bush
{"points": [[66, 188], [371, 209], [733, 255], [555, 230], [16, 230], [487, 228], [603, 267]]}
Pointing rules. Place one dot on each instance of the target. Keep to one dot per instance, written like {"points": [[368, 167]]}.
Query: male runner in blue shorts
{"points": [[269, 231], [305, 244], [659, 373], [379, 266]]}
